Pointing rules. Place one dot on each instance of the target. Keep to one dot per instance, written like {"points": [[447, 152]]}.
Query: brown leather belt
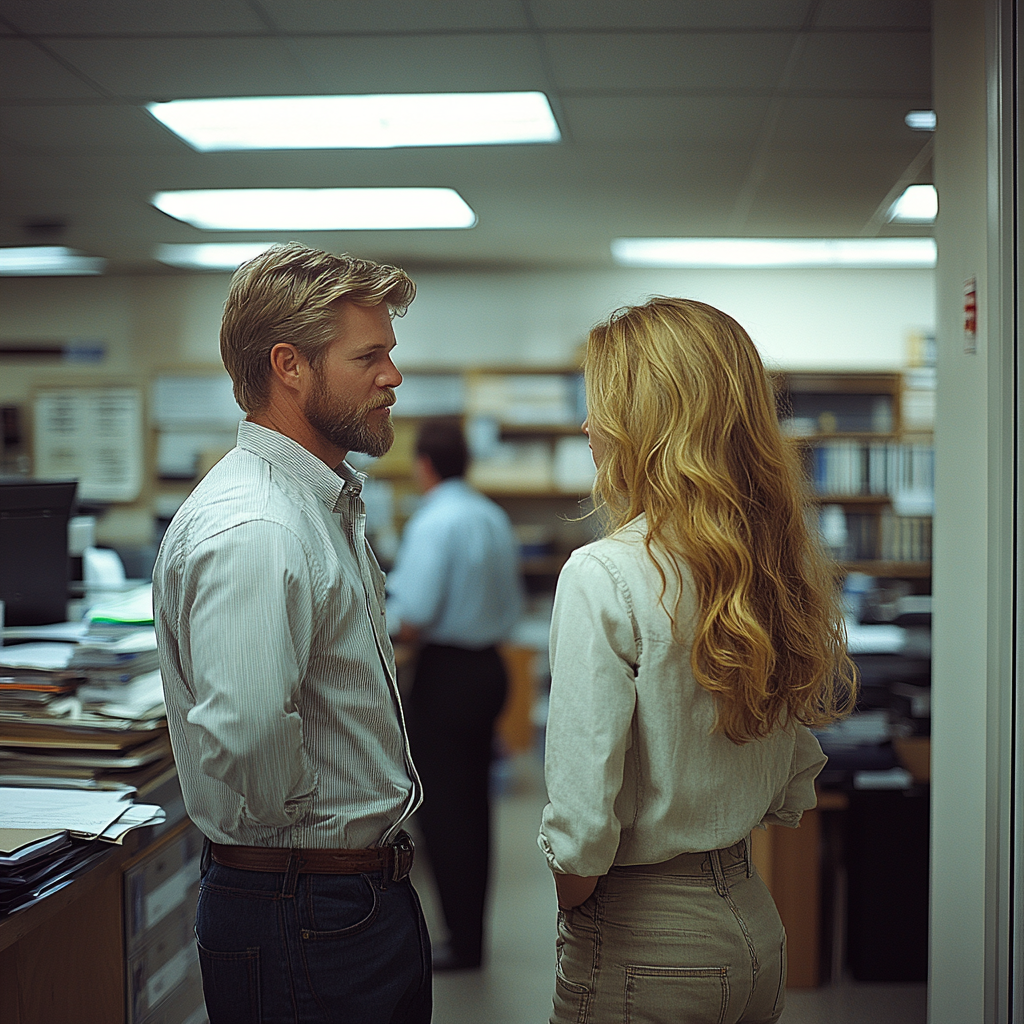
{"points": [[394, 861]]}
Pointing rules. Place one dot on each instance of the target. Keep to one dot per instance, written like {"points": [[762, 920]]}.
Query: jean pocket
{"points": [[574, 954], [571, 1002], [338, 906], [780, 996], [231, 985], [655, 995]]}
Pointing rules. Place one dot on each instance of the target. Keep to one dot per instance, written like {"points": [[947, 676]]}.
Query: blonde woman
{"points": [[691, 648]]}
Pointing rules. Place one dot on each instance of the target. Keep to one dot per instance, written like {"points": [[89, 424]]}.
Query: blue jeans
{"points": [[302, 948]]}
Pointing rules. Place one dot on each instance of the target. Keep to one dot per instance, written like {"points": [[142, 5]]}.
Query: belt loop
{"points": [[721, 886], [749, 854], [291, 874]]}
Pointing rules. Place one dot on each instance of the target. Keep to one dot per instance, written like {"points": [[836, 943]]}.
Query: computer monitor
{"points": [[34, 550]]}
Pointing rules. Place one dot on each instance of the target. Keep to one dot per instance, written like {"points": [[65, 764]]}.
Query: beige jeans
{"points": [[696, 940]]}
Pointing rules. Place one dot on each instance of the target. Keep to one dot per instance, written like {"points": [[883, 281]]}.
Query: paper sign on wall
{"points": [[93, 435]]}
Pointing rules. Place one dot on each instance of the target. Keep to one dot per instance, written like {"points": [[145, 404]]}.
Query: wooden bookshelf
{"points": [[858, 456]]}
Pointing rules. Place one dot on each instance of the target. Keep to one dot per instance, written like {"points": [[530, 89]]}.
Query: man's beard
{"points": [[348, 428]]}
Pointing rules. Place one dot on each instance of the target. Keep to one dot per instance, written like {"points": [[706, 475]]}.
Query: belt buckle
{"points": [[404, 849]]}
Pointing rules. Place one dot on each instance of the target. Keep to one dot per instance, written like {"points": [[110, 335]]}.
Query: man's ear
{"points": [[288, 365]]}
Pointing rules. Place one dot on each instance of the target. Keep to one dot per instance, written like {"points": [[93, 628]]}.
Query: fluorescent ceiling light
{"points": [[317, 209], [360, 122], [210, 255], [919, 204], [774, 252], [47, 261], [921, 120]]}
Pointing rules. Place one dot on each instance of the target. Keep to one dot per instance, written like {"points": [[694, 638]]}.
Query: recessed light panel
{"points": [[360, 122], [921, 120], [47, 261], [210, 255], [774, 252], [318, 209], [919, 204]]}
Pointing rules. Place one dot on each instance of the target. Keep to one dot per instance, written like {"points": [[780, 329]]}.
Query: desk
{"points": [[83, 956], [63, 958]]}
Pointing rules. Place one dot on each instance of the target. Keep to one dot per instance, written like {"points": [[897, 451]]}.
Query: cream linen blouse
{"points": [[635, 774]]}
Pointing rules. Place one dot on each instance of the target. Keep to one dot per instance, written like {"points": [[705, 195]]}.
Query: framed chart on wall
{"points": [[93, 435]]}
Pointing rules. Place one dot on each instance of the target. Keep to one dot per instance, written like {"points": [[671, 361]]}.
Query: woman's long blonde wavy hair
{"points": [[679, 398]]}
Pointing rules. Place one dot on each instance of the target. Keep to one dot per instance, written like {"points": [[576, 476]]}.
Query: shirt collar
{"points": [[453, 485], [330, 486]]}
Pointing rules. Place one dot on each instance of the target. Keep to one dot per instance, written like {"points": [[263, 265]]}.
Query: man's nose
{"points": [[389, 377]]}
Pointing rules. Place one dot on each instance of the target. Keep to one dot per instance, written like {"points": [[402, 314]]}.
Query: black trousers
{"points": [[457, 694]]}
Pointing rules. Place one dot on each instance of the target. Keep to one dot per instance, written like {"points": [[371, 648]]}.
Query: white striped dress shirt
{"points": [[279, 677]]}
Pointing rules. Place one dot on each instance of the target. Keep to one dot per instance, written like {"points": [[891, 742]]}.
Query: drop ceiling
{"points": [[678, 117]]}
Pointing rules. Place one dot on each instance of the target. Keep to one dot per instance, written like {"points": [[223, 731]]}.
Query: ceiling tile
{"points": [[861, 123], [606, 61], [664, 122], [395, 15], [823, 193], [614, 14], [874, 14], [28, 73], [163, 69], [130, 17], [108, 128], [453, 63], [866, 62]]}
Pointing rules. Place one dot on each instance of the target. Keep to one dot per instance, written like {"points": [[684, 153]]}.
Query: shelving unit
{"points": [[523, 424], [860, 458]]}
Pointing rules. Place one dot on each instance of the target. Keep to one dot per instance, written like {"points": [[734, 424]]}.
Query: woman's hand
{"points": [[573, 890]]}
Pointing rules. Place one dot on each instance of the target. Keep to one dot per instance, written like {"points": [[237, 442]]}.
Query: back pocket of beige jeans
{"points": [[676, 995]]}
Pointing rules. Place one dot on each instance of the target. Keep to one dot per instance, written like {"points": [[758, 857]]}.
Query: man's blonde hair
{"points": [[289, 294]]}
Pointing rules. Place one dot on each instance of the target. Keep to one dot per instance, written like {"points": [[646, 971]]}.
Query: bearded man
{"points": [[279, 680]]}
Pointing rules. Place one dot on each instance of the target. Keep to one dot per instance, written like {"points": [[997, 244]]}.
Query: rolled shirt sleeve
{"points": [[798, 795], [250, 631], [594, 654]]}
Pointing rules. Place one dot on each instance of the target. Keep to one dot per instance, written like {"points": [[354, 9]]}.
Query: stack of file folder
{"points": [[49, 837], [83, 701]]}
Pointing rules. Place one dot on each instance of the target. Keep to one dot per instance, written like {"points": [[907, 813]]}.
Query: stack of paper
{"points": [[33, 676], [84, 701], [48, 837], [123, 614]]}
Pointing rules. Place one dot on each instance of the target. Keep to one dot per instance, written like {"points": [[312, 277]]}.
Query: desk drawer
{"points": [[160, 884], [167, 960], [184, 1005]]}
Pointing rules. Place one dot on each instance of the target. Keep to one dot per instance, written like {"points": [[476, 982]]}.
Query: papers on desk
{"points": [[41, 657], [36, 862], [127, 611], [87, 814], [22, 845], [85, 701], [136, 700], [34, 878], [874, 639]]}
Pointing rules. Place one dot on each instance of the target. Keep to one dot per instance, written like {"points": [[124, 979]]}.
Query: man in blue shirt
{"points": [[456, 591]]}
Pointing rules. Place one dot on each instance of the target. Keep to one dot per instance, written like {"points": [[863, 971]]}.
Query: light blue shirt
{"points": [[456, 577]]}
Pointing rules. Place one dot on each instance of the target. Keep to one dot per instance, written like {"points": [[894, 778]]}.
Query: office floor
{"points": [[515, 986]]}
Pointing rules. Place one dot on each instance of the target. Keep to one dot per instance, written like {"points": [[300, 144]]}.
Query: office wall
{"points": [[800, 319], [972, 598]]}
